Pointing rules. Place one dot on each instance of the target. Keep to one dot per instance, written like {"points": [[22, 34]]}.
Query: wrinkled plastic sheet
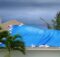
{"points": [[35, 36]]}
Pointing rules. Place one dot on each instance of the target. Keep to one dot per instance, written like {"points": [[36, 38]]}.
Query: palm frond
{"points": [[17, 36], [11, 43]]}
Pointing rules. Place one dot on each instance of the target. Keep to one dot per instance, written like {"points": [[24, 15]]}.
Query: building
{"points": [[5, 26]]}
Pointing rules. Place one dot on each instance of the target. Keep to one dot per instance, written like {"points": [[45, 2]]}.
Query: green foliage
{"points": [[0, 28], [57, 21], [11, 43]]}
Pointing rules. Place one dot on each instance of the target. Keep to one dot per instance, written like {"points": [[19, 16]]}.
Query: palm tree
{"points": [[11, 43]]}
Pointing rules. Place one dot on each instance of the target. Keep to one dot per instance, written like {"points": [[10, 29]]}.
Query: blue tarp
{"points": [[32, 35]]}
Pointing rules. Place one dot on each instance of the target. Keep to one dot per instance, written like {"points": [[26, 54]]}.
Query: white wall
{"points": [[33, 53]]}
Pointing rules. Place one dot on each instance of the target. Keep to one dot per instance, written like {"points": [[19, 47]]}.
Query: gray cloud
{"points": [[29, 11], [36, 1], [28, 3]]}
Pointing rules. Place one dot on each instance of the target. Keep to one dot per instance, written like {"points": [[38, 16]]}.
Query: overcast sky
{"points": [[29, 11], [36, 1]]}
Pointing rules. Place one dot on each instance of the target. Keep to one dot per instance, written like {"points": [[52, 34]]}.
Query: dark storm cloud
{"points": [[15, 3], [29, 11], [35, 1]]}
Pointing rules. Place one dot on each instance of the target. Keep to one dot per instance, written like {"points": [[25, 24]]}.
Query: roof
{"points": [[11, 22]]}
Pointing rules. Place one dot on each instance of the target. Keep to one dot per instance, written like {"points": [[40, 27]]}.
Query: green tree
{"points": [[56, 22], [11, 43]]}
